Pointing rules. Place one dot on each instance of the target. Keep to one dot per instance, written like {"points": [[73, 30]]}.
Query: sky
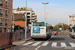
{"points": [[57, 11]]}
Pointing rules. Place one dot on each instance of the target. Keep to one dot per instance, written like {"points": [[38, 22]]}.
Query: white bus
{"points": [[40, 30]]}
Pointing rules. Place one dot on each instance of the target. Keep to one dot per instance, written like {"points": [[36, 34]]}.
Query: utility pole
{"points": [[26, 22], [45, 11]]}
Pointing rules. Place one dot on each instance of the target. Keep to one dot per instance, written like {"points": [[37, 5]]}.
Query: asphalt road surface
{"points": [[56, 42]]}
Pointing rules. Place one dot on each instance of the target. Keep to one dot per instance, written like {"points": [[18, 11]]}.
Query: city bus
{"points": [[72, 31], [40, 30]]}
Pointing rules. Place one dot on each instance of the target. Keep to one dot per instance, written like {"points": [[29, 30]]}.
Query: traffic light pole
{"points": [[26, 22]]}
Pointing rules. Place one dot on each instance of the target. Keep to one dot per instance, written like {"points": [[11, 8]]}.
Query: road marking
{"points": [[54, 44], [72, 44], [45, 44], [63, 44], [40, 45], [27, 44], [37, 47], [35, 44]]}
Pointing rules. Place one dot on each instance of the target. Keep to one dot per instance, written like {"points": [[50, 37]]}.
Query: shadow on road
{"points": [[57, 39], [40, 39]]}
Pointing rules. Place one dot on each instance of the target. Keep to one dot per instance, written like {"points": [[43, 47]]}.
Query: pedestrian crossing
{"points": [[52, 44]]}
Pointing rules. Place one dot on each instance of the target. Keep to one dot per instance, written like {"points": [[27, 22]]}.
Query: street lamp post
{"points": [[26, 22], [47, 15], [45, 11]]}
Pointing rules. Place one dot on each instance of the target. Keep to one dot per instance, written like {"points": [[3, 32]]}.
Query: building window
{"points": [[6, 4], [0, 20], [28, 16], [28, 13], [5, 21], [0, 29], [6, 13], [0, 11], [1, 3], [8, 29]]}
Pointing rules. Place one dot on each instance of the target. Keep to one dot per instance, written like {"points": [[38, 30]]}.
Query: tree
{"points": [[59, 25], [65, 26], [13, 24], [21, 8], [18, 27], [20, 19], [18, 8]]}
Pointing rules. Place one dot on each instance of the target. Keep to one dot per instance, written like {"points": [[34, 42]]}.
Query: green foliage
{"points": [[21, 8], [13, 24], [57, 26], [18, 27], [20, 19]]}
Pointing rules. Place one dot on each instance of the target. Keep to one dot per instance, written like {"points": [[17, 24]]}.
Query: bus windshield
{"points": [[38, 23]]}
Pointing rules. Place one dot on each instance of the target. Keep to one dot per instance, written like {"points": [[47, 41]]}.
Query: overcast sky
{"points": [[58, 10]]}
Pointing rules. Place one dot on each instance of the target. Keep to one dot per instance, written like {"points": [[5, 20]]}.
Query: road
{"points": [[56, 42]]}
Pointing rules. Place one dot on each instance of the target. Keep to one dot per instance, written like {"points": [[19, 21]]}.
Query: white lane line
{"points": [[72, 44], [27, 44], [63, 44], [54, 44], [37, 47], [45, 44], [35, 44]]}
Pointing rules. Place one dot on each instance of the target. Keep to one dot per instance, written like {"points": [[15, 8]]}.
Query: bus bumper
{"points": [[38, 37]]}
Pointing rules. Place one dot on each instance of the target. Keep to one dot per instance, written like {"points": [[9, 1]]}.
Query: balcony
{"points": [[0, 24], [5, 24]]}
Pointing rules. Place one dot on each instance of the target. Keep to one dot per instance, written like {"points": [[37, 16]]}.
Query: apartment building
{"points": [[71, 20], [31, 17], [5, 15]]}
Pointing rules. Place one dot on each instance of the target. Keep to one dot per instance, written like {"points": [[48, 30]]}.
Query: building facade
{"points": [[5, 15], [31, 17], [71, 20]]}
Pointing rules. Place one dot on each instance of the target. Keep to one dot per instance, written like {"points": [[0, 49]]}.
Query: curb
{"points": [[21, 42]]}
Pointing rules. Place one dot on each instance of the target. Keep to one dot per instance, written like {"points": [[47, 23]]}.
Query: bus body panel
{"points": [[42, 33]]}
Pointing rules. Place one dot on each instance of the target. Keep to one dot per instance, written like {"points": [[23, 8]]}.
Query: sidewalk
{"points": [[20, 42]]}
